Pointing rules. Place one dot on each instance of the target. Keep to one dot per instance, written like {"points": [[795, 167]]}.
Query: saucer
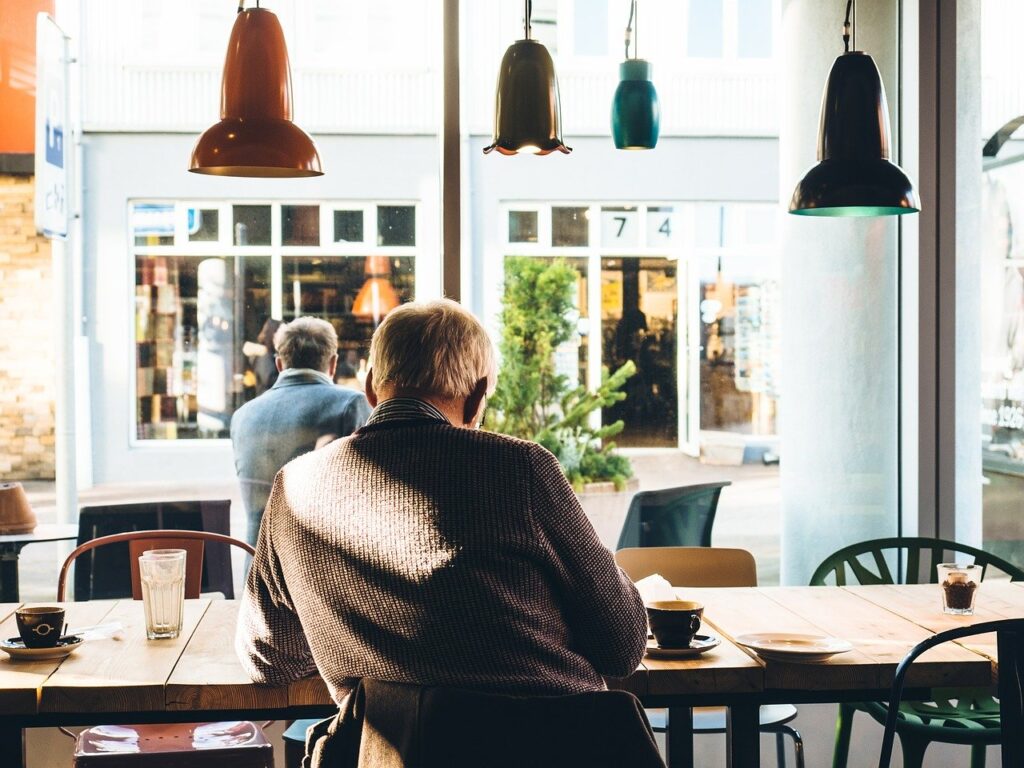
{"points": [[780, 646], [699, 645], [15, 648]]}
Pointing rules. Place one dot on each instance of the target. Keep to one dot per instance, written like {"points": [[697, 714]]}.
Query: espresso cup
{"points": [[40, 627], [674, 622]]}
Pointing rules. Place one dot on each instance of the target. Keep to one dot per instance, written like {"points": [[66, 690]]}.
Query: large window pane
{"points": [[331, 288], [192, 317]]}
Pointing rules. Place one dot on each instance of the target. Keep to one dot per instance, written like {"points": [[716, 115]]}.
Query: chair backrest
{"points": [[690, 566], [397, 724], [1010, 649], [672, 517], [193, 542], [103, 574], [870, 562]]}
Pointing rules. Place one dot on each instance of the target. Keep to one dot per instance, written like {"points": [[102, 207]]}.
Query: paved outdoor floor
{"points": [[748, 512]]}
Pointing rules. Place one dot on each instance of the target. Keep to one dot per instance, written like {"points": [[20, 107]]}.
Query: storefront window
{"points": [[207, 301]]}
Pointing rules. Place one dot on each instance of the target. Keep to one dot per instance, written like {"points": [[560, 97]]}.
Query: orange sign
{"points": [[18, 73]]}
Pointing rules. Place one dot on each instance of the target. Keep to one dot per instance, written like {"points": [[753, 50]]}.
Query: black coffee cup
{"points": [[674, 622], [40, 627]]}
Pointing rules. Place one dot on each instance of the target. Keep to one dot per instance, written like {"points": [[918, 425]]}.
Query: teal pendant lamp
{"points": [[854, 176], [527, 113], [636, 113]]}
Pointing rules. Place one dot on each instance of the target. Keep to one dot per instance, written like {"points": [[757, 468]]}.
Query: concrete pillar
{"points": [[839, 405]]}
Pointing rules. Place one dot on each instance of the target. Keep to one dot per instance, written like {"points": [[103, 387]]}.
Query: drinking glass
{"points": [[959, 582], [162, 572]]}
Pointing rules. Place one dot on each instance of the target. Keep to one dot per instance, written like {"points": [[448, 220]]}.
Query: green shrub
{"points": [[532, 401]]}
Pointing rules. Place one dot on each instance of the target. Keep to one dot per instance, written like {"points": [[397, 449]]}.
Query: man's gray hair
{"points": [[432, 347], [306, 342]]}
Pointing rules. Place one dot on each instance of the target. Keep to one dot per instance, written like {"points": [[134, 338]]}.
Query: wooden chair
{"points": [[193, 542], [195, 745], [1010, 650], [953, 719], [672, 517], [102, 575], [710, 567]]}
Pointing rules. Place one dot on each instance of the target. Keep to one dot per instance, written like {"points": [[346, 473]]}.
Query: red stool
{"points": [[238, 744]]}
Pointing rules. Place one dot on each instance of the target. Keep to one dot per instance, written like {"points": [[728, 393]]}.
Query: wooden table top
{"points": [[199, 672]]}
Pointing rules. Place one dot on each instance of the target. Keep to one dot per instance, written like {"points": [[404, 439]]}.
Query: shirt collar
{"points": [[405, 409], [305, 373]]}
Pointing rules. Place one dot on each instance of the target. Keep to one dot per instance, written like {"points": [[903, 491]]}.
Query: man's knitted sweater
{"points": [[414, 551]]}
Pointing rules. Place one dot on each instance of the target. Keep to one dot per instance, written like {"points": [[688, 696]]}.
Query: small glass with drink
{"points": [[162, 572], [959, 582]]}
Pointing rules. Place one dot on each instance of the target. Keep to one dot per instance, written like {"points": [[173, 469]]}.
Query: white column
{"points": [[839, 402]]}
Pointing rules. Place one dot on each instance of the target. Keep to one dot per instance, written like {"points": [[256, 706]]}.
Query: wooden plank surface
{"points": [[922, 604], [128, 675], [20, 680], [208, 674], [880, 639]]}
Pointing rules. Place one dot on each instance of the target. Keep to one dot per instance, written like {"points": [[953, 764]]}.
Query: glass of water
{"points": [[162, 572]]}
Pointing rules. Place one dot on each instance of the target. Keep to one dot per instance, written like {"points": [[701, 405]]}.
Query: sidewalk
{"points": [[748, 512]]}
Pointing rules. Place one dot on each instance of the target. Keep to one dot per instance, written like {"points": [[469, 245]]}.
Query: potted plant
{"points": [[535, 402]]}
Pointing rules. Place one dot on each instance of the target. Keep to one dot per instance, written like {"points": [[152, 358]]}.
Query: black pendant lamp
{"points": [[527, 115], [636, 113], [854, 176], [256, 135]]}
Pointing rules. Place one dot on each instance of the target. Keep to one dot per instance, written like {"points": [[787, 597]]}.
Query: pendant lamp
{"points": [[256, 135], [377, 297], [636, 114], [854, 176], [527, 115]]}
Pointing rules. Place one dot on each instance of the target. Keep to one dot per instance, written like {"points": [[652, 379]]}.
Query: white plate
{"points": [[699, 645], [786, 646], [16, 649]]}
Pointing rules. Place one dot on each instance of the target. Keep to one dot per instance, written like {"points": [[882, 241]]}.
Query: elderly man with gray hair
{"points": [[422, 550], [301, 411]]}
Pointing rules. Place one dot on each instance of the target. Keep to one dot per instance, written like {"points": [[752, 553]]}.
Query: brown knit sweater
{"points": [[417, 552]]}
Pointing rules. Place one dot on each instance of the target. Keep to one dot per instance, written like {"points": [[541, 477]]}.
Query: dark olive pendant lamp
{"points": [[527, 115], [256, 135], [854, 176], [636, 113]]}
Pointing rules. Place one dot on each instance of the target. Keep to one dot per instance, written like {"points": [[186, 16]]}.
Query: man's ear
{"points": [[371, 395], [474, 402], [332, 366], [279, 364]]}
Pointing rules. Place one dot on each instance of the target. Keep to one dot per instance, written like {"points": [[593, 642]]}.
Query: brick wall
{"points": [[27, 317]]}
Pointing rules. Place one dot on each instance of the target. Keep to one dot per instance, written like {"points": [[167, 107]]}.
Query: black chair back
{"points": [[1010, 646], [104, 573], [672, 517]]}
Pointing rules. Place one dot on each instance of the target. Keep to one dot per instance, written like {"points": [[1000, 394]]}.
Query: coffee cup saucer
{"points": [[701, 643], [15, 648]]}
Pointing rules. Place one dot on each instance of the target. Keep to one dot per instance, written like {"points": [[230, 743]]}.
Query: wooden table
{"points": [[197, 677]]}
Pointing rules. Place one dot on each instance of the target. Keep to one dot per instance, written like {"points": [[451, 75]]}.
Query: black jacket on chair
{"points": [[395, 725]]}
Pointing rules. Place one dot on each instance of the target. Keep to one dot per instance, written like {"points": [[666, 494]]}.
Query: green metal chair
{"points": [[962, 717]]}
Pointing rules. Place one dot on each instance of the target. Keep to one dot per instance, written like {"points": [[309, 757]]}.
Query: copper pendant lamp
{"points": [[377, 297], [256, 136], [854, 176], [527, 114]]}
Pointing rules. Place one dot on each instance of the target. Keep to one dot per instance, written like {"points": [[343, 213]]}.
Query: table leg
{"points": [[9, 592], [679, 738], [743, 737], [1011, 696], [12, 746]]}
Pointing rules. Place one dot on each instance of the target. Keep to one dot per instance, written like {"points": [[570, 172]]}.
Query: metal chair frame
{"points": [[1010, 648]]}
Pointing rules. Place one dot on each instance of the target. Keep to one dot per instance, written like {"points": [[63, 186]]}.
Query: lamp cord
{"points": [[848, 30], [629, 30], [527, 15]]}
